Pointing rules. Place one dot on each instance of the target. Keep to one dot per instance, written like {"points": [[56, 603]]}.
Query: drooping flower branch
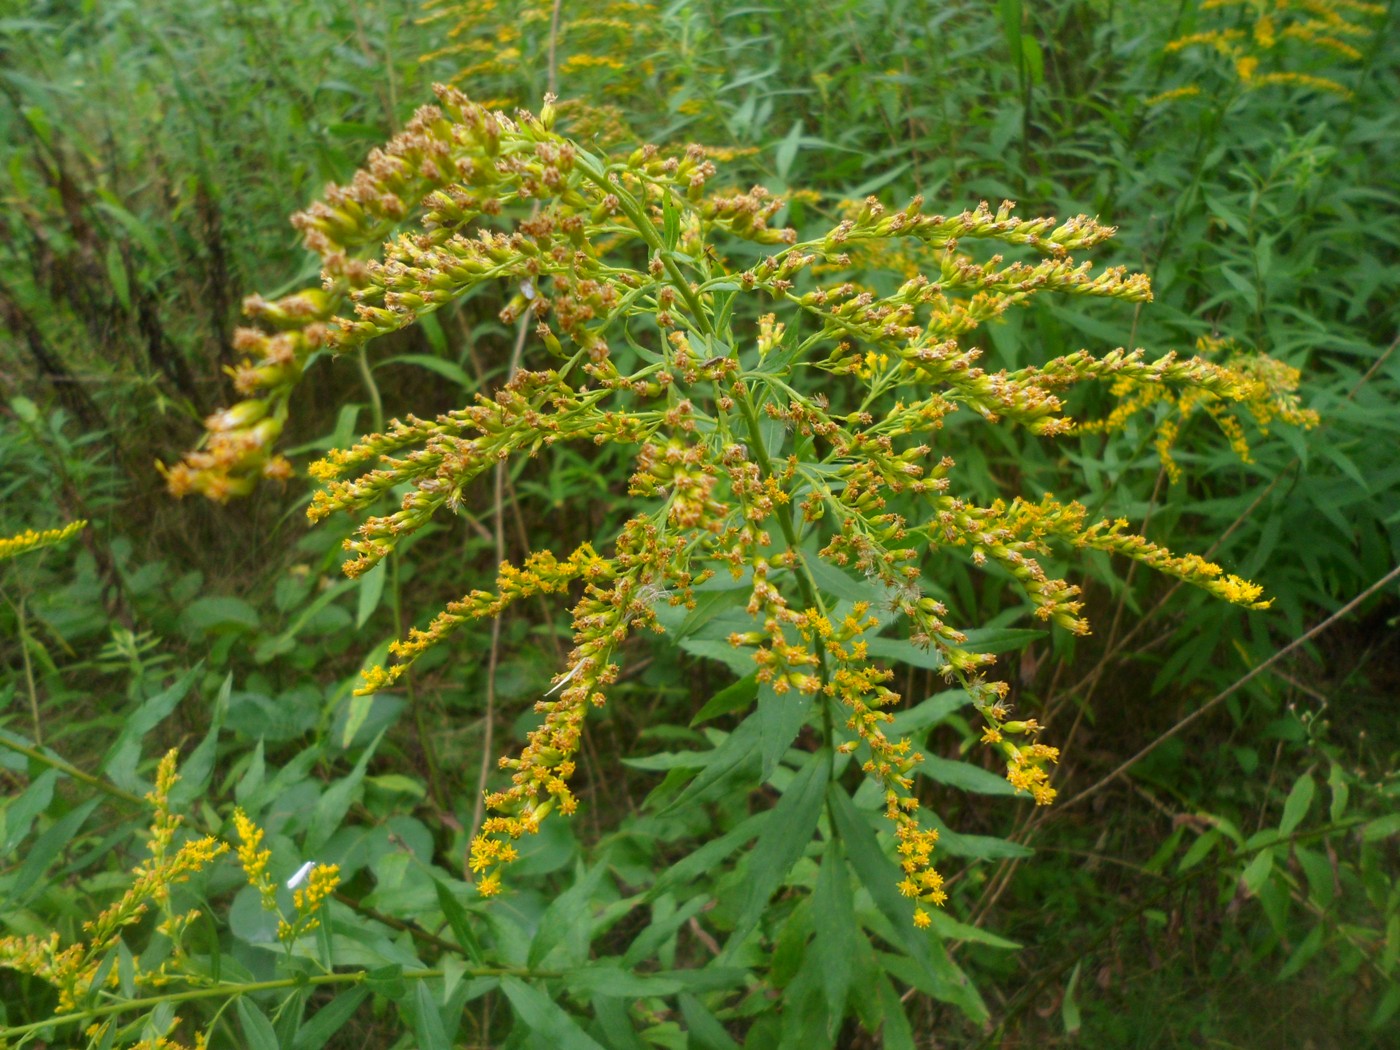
{"points": [[780, 417]]}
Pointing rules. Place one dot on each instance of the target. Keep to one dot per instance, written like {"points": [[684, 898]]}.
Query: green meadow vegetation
{"points": [[861, 524]]}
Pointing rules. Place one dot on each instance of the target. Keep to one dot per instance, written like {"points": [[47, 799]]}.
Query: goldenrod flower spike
{"points": [[72, 969], [30, 540], [1283, 32], [642, 338]]}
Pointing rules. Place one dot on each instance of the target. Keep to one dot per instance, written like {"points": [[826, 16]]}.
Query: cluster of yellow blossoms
{"points": [[83, 969], [504, 49], [1269, 393], [1259, 44], [312, 886], [645, 336], [30, 540]]}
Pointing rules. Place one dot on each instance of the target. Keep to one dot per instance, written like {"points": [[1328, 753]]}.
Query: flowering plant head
{"points": [[1265, 42], [785, 423]]}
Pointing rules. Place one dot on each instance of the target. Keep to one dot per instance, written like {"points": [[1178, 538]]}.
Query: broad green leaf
{"points": [[841, 585], [540, 1014], [805, 1020], [1341, 791], [949, 929], [286, 1022], [271, 647], [218, 614], [1382, 828], [328, 1020], [601, 977], [447, 369], [1257, 871], [738, 753], [877, 872], [335, 801], [662, 929], [427, 1022], [671, 223], [979, 847], [737, 660], [29, 879], [709, 855], [1385, 1009], [667, 760], [835, 930], [706, 1033], [1295, 808], [18, 816], [197, 770], [895, 1033], [708, 606], [1033, 59], [116, 275], [1011, 28], [980, 640], [787, 150], [1069, 1009], [733, 697], [453, 970], [459, 920], [785, 836], [615, 1023], [565, 915], [355, 715], [880, 876], [257, 1029], [780, 719], [1304, 953], [928, 713], [398, 784], [371, 590], [964, 775], [121, 759]]}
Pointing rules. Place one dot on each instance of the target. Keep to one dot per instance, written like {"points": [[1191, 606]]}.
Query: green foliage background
{"points": [[1236, 886]]}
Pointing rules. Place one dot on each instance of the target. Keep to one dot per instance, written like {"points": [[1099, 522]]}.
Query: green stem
{"points": [[32, 689], [73, 771], [231, 991], [647, 229]]}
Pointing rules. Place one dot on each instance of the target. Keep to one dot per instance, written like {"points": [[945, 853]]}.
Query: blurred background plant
{"points": [[1235, 883]]}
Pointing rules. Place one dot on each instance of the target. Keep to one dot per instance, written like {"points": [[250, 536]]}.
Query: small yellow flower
{"points": [[29, 540], [490, 885]]}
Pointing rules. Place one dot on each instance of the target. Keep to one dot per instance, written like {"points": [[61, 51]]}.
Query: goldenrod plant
{"points": [[1290, 43], [727, 616], [751, 481], [116, 997], [32, 540]]}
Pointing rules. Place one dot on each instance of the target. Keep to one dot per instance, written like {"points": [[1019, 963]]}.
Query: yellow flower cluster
{"points": [[1280, 33], [29, 540], [644, 336], [542, 573], [320, 882], [1263, 388], [254, 859], [97, 1036], [858, 685], [81, 972], [73, 969], [503, 48]]}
